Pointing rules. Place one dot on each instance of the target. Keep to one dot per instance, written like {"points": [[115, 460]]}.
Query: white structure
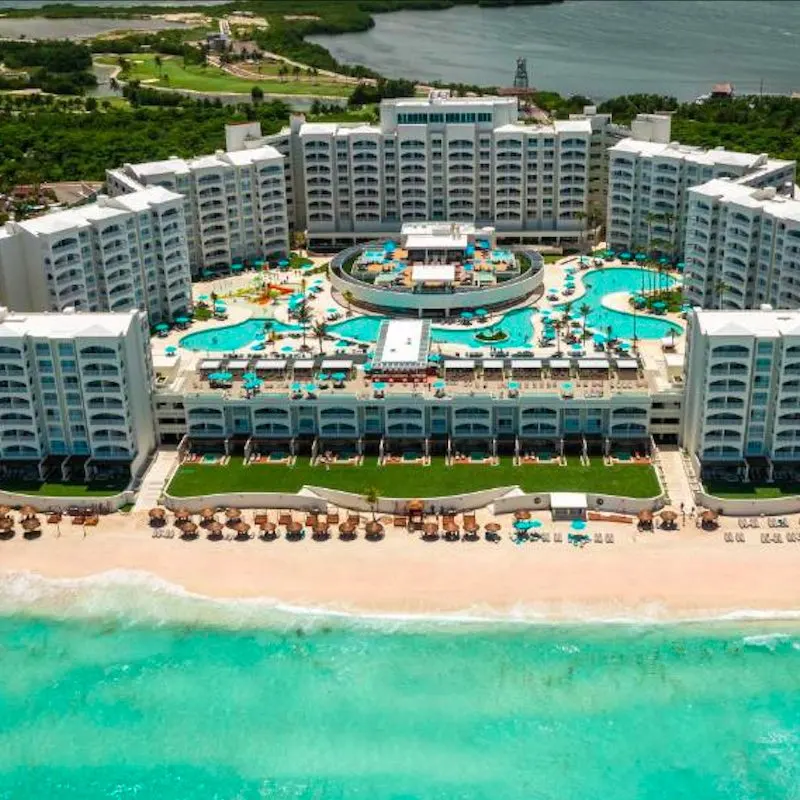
{"points": [[742, 246], [403, 344], [742, 400], [75, 394], [116, 254], [467, 159], [234, 202], [649, 179]]}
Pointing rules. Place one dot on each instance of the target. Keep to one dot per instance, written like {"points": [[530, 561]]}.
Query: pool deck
{"points": [[241, 309]]}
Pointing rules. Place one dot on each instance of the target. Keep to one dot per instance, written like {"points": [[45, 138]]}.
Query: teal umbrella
{"points": [[296, 387], [249, 376], [513, 385], [237, 267], [338, 376], [367, 366], [203, 297], [342, 343], [626, 256], [439, 385], [323, 376], [221, 376], [287, 349], [641, 256], [481, 312], [578, 525], [161, 327], [379, 386], [181, 320], [311, 387], [663, 260], [171, 350], [466, 315]]}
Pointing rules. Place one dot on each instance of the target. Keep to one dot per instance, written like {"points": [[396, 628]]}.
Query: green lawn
{"points": [[174, 75], [64, 489], [750, 491], [412, 481]]}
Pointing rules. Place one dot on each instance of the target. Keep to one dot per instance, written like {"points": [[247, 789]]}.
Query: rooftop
{"points": [[767, 200], [403, 343], [65, 325], [755, 322], [181, 166]]}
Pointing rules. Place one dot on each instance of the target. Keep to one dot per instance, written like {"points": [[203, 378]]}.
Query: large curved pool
{"points": [[602, 282], [517, 324]]}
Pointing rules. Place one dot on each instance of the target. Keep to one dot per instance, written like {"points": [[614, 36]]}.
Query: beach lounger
{"points": [[765, 538], [777, 538], [728, 536], [285, 519], [740, 537], [609, 538], [558, 537], [598, 538]]}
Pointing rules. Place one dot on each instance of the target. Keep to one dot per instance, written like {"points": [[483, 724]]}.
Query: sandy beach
{"points": [[678, 575]]}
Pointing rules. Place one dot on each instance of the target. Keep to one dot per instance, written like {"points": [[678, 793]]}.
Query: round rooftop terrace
{"points": [[430, 278]]}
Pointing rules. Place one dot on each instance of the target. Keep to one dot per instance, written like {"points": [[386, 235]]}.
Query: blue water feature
{"points": [[234, 337], [602, 282]]}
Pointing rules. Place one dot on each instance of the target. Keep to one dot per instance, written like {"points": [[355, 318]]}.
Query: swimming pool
{"points": [[602, 282], [517, 324], [234, 337]]}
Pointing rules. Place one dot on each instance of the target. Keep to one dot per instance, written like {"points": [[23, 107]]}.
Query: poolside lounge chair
{"points": [[400, 522], [609, 538], [558, 537], [728, 536]]}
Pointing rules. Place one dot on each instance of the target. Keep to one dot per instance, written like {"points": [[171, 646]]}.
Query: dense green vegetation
{"points": [[46, 143], [60, 67], [399, 480]]}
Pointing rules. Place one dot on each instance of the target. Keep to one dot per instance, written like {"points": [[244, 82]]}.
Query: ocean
{"points": [[599, 48], [119, 688]]}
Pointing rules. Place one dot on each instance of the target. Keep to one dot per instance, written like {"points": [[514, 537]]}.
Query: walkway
{"points": [[155, 478], [674, 475]]}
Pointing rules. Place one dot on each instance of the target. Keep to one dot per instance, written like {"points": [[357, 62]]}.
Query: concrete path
{"points": [[155, 478], [674, 476]]}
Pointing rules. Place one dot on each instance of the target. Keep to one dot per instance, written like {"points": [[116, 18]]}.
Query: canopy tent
{"points": [[568, 505]]}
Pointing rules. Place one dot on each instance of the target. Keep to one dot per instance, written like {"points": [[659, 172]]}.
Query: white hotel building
{"points": [[742, 401], [650, 177], [742, 247], [75, 394], [234, 202], [116, 254], [441, 158]]}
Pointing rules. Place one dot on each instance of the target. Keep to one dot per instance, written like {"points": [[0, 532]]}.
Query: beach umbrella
{"points": [[513, 385], [6, 524], [389, 246], [207, 273], [599, 338], [374, 528], [577, 348], [434, 357], [295, 527], [332, 310], [162, 327], [466, 315], [342, 343], [624, 346], [567, 387], [521, 525], [609, 253], [680, 266], [535, 523], [471, 526], [578, 525], [27, 511], [367, 366], [207, 513], [347, 527], [171, 350], [493, 527], [518, 515], [668, 515], [439, 384], [257, 346], [379, 386], [157, 513], [339, 376], [188, 527], [250, 376], [311, 387], [287, 349], [233, 513], [237, 267], [241, 527], [645, 515], [641, 256], [182, 320], [451, 527], [296, 387], [663, 260], [183, 513], [430, 528], [268, 527], [625, 256], [215, 527], [31, 524], [481, 312], [659, 305], [320, 526], [283, 263], [4, 511]]}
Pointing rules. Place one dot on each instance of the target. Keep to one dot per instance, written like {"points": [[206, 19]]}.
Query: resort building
{"points": [[650, 178], [75, 395], [742, 246], [235, 203], [465, 159], [437, 269], [115, 254], [741, 410]]}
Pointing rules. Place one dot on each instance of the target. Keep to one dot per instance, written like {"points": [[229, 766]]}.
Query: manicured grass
{"points": [[749, 491], [400, 480], [63, 489], [174, 75]]}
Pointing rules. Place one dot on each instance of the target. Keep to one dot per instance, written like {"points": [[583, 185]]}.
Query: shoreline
{"points": [[660, 578]]}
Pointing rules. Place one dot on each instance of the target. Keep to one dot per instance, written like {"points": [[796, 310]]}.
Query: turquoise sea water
{"points": [[315, 707]]}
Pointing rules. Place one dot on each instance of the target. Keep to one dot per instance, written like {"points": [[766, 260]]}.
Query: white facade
{"points": [[742, 247], [115, 254], [235, 202], [649, 179], [742, 398], [75, 385]]}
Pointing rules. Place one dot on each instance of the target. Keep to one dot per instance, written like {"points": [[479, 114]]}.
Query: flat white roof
{"points": [[493, 363], [749, 323], [559, 363], [526, 363], [433, 272], [403, 344], [593, 363], [567, 500], [749, 197], [336, 364], [237, 363], [627, 363], [270, 364], [463, 363], [304, 363], [209, 363], [439, 241], [52, 325]]}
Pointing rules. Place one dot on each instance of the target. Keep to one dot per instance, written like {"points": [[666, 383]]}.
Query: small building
{"points": [[403, 346], [568, 505], [722, 90]]}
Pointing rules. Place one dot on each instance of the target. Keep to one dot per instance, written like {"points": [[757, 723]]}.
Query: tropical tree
{"points": [[159, 65], [296, 70], [720, 287], [320, 331], [283, 71], [303, 316], [557, 327], [371, 496], [256, 95], [585, 310], [349, 297]]}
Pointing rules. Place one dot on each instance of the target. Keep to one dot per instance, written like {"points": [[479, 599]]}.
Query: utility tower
{"points": [[521, 75]]}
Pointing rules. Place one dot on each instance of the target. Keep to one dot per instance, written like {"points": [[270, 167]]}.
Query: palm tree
{"points": [[296, 71], [583, 243], [720, 287], [651, 219], [320, 330], [349, 297], [557, 326], [303, 315], [283, 71], [159, 65], [585, 310], [371, 496]]}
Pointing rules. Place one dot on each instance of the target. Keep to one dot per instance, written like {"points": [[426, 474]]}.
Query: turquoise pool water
{"points": [[517, 324], [601, 282], [304, 708]]}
